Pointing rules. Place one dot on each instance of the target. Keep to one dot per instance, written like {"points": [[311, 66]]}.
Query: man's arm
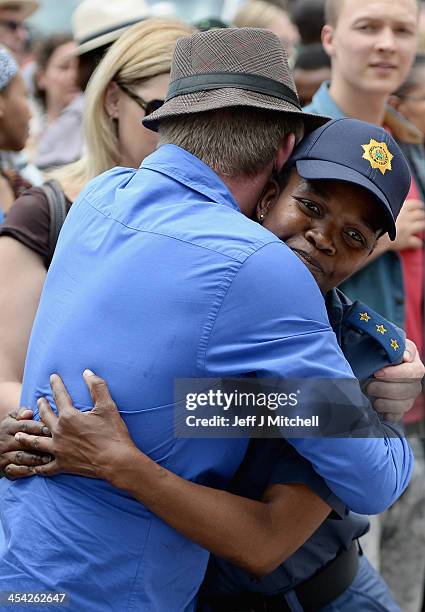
{"points": [[276, 325], [255, 535]]}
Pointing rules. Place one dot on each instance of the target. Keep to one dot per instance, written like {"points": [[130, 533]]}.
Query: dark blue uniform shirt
{"points": [[276, 462]]}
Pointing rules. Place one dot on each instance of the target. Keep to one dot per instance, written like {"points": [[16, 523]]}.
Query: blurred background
{"points": [[54, 16]]}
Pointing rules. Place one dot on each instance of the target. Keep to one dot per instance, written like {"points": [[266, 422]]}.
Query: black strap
{"points": [[237, 80], [330, 582], [58, 210], [114, 28], [313, 594]]}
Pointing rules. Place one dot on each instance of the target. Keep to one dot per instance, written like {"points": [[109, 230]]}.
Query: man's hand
{"points": [[82, 443], [396, 387], [410, 222], [11, 451]]}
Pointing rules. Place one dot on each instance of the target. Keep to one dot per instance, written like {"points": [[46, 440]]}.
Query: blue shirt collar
{"points": [[185, 168], [327, 104]]}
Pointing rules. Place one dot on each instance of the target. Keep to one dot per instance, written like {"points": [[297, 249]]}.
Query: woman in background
{"points": [[260, 14], [409, 99], [59, 139]]}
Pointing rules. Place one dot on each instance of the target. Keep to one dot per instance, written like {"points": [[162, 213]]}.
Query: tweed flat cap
{"points": [[231, 67]]}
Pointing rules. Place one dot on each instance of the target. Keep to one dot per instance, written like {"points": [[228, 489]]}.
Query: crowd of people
{"points": [[184, 201]]}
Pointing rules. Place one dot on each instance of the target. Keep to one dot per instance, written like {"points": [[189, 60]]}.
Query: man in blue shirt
{"points": [[240, 302]]}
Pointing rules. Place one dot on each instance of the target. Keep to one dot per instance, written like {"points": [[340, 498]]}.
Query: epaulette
{"points": [[386, 334]]}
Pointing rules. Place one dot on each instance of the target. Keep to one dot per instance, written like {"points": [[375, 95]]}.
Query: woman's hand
{"points": [[14, 461], [83, 443]]}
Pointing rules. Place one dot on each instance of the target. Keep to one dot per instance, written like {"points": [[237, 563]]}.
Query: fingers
{"points": [[14, 472], [38, 443], [405, 372], [34, 428], [411, 351], [399, 407], [46, 413], [61, 396], [21, 414], [50, 469], [394, 390], [413, 205], [21, 457], [98, 390]]}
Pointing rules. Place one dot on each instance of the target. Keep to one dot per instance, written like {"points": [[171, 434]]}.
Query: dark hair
{"points": [[87, 64], [312, 57], [414, 77], [43, 52], [309, 17]]}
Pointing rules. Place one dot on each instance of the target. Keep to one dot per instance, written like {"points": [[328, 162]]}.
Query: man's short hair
{"points": [[232, 141], [332, 10]]}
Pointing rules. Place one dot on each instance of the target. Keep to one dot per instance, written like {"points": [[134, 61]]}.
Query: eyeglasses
{"points": [[412, 98], [148, 107], [12, 25]]}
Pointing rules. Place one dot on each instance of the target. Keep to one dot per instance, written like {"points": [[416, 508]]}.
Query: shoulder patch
{"points": [[367, 321]]}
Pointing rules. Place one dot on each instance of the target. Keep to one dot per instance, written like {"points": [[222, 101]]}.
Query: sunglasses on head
{"points": [[12, 25], [148, 107]]}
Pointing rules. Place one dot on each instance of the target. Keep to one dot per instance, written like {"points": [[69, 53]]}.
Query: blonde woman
{"points": [[130, 82], [260, 14]]}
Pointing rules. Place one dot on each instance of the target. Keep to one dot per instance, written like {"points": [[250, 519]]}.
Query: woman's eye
{"points": [[357, 237], [310, 206]]}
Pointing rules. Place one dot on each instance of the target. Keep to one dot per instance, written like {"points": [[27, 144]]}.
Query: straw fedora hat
{"points": [[98, 22], [231, 67], [26, 7]]}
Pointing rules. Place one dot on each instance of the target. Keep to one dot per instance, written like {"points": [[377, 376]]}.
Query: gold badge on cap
{"points": [[378, 154]]}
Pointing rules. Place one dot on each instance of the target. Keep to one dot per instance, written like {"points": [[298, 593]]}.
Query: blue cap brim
{"points": [[315, 169]]}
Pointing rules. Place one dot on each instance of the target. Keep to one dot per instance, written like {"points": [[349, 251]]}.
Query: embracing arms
{"points": [[255, 535]]}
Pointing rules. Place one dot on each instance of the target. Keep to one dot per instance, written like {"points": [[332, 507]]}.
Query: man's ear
{"points": [[112, 97], [268, 199], [328, 40], [285, 151]]}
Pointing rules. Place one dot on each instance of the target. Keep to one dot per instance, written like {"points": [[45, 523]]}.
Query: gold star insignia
{"points": [[365, 317], [394, 345], [378, 155], [381, 329]]}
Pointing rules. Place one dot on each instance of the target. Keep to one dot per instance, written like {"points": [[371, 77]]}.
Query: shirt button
{"points": [[399, 301]]}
